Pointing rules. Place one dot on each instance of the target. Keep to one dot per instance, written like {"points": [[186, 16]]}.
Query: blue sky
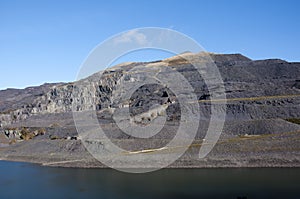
{"points": [[47, 41]]}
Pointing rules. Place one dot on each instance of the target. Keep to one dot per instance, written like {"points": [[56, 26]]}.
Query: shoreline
{"points": [[83, 164], [270, 151]]}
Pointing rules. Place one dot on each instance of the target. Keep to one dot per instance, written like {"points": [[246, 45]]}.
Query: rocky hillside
{"points": [[243, 78], [263, 97]]}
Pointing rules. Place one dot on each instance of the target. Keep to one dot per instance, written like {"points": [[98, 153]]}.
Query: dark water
{"points": [[28, 181]]}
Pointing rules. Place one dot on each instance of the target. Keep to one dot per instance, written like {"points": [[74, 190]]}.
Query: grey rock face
{"points": [[260, 96], [243, 78]]}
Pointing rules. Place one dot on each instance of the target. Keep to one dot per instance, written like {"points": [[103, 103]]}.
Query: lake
{"points": [[30, 181]]}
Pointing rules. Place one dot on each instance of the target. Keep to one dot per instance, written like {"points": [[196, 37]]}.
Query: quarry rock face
{"points": [[243, 78], [261, 105]]}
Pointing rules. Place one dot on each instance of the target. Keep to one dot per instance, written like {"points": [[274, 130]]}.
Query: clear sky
{"points": [[47, 41]]}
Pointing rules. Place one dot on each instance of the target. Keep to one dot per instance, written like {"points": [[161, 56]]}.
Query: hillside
{"points": [[263, 98]]}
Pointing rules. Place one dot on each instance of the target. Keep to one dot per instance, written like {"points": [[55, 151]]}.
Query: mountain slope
{"points": [[260, 96]]}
